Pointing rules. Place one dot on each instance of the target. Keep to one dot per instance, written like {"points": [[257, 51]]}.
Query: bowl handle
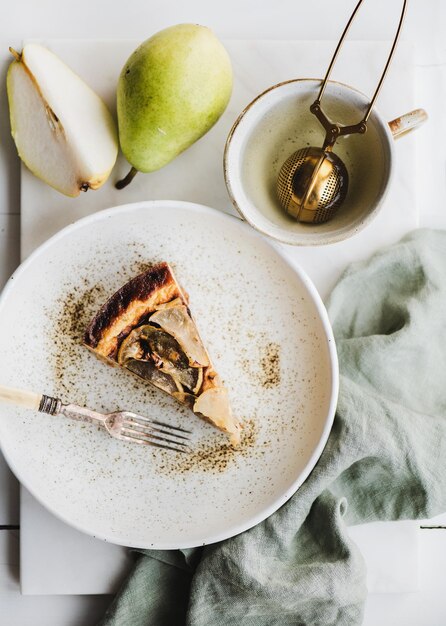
{"points": [[405, 123]]}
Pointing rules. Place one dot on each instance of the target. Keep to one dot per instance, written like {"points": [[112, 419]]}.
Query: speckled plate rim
{"points": [[330, 343]]}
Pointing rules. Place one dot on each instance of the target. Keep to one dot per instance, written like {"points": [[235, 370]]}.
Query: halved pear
{"points": [[63, 131]]}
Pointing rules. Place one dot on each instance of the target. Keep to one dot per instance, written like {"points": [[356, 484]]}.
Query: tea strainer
{"points": [[313, 182]]}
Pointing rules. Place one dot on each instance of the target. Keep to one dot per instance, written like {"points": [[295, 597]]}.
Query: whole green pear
{"points": [[172, 90]]}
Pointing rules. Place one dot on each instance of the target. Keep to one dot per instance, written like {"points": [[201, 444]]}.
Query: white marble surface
{"points": [[242, 19], [383, 544], [257, 65], [89, 566]]}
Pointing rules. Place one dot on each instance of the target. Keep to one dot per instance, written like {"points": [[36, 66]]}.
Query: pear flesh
{"points": [[171, 91], [63, 131]]}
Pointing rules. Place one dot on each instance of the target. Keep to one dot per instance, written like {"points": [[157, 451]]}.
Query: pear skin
{"points": [[172, 90]]}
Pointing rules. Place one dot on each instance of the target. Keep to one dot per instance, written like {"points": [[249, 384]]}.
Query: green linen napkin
{"points": [[385, 460]]}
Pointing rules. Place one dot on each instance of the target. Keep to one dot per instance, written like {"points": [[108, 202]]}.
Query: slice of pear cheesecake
{"points": [[147, 328]]}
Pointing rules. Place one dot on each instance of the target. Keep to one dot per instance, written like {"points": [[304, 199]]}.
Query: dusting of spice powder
{"points": [[76, 312], [141, 266], [212, 457], [270, 366]]}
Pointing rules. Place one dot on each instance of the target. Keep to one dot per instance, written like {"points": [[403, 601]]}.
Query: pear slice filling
{"points": [[177, 321], [167, 351], [148, 371], [214, 405], [149, 344]]}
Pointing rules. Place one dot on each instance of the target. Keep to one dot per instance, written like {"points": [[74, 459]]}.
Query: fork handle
{"points": [[20, 397], [81, 413]]}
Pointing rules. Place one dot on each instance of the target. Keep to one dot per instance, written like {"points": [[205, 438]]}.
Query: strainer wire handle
{"points": [[389, 60]]}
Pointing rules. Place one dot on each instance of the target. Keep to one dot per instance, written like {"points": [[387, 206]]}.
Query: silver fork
{"points": [[123, 425]]}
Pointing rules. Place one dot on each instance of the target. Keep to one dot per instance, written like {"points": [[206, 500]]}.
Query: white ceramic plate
{"points": [[267, 332]]}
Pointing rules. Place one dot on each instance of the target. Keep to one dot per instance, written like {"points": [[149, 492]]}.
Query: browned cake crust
{"points": [[127, 308]]}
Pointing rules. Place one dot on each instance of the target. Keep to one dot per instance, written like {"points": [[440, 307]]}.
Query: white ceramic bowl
{"points": [[279, 122]]}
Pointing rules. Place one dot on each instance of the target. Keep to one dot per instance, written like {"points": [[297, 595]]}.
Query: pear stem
{"points": [[17, 56], [127, 179]]}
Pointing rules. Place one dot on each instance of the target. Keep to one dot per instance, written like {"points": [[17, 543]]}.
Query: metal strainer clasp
{"points": [[313, 182]]}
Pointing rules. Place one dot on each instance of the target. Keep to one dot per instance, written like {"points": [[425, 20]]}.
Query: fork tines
{"points": [[144, 430]]}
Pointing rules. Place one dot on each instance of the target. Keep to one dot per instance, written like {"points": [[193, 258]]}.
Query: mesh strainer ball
{"points": [[312, 184]]}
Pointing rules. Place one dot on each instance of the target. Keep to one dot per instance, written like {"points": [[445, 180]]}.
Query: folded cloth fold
{"points": [[385, 460]]}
